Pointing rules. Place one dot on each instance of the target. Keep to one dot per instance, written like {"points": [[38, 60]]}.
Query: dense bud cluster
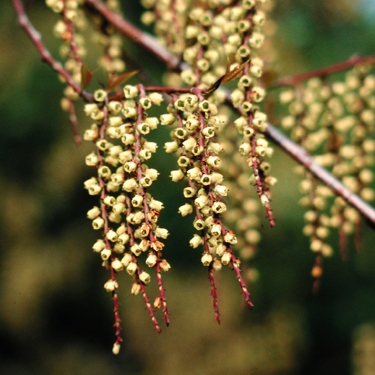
{"points": [[217, 35], [128, 215], [334, 122], [218, 136]]}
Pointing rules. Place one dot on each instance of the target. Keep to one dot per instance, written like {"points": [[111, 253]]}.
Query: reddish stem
{"points": [[294, 80]]}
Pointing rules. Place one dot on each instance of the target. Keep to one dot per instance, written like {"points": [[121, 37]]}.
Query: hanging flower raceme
{"points": [[127, 215], [199, 163]]}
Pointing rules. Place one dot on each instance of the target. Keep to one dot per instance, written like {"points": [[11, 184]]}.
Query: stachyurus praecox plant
{"points": [[220, 135]]}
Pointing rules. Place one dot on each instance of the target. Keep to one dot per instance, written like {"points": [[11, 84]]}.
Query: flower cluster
{"points": [[333, 121], [128, 215], [195, 140], [213, 32]]}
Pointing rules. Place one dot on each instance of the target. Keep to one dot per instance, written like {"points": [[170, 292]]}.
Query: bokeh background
{"points": [[56, 318]]}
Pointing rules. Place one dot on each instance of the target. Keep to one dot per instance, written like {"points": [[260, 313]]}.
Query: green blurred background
{"points": [[55, 317]]}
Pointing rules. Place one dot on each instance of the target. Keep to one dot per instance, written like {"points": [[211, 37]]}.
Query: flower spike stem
{"points": [[237, 270], [214, 293], [336, 68], [149, 308]]}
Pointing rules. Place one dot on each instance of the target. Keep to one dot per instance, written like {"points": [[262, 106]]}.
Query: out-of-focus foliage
{"points": [[54, 315]]}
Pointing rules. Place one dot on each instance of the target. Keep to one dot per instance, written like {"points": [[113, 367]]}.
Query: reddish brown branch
{"points": [[336, 68], [301, 156], [151, 44], [36, 39], [139, 37]]}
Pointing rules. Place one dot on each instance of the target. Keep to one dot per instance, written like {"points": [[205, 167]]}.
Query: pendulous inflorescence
{"points": [[220, 136], [334, 121]]}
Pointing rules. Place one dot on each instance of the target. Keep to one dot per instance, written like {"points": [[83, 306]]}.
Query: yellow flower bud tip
{"points": [[111, 285], [145, 154], [216, 230], [144, 277], [164, 265], [208, 132], [116, 348], [93, 213], [195, 241], [98, 246], [111, 235], [90, 108], [185, 210], [131, 268], [156, 98], [130, 91], [226, 258], [220, 249], [105, 254], [127, 258], [177, 175], [167, 119], [206, 180], [171, 147], [230, 237], [91, 160], [98, 223], [201, 201], [136, 250], [117, 265], [151, 260], [199, 224], [189, 192], [206, 259], [100, 95], [216, 265], [161, 233]]}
